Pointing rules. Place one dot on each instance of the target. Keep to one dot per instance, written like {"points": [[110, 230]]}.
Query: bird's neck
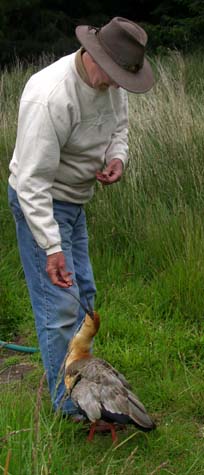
{"points": [[80, 345]]}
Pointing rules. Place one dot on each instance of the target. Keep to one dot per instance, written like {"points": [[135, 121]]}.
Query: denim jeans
{"points": [[57, 312]]}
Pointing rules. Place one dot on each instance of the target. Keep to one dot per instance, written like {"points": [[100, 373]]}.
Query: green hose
{"points": [[23, 349]]}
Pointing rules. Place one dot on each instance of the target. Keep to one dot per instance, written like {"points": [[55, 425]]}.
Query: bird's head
{"points": [[91, 323]]}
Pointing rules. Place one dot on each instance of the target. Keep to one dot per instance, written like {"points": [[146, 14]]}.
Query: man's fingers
{"points": [[107, 179], [65, 277], [55, 277], [112, 172], [56, 269], [60, 280]]}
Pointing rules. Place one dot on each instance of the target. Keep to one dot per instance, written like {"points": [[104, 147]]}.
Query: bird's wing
{"points": [[101, 391], [138, 413], [115, 372], [86, 395], [118, 401], [96, 396], [94, 368], [113, 396]]}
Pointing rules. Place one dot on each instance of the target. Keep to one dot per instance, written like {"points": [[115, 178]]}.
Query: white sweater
{"points": [[66, 132]]}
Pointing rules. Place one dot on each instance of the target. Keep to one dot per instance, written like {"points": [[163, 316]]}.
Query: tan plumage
{"points": [[98, 389]]}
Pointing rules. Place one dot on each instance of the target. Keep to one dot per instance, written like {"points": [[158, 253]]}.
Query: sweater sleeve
{"points": [[118, 147], [38, 149]]}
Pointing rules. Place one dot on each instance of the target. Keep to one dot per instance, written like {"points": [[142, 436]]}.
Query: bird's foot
{"points": [[102, 426]]}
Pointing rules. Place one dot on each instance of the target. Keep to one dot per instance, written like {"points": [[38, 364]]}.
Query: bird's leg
{"points": [[92, 431], [101, 426], [113, 433]]}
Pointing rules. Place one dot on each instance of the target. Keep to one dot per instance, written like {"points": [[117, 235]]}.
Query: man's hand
{"points": [[112, 172], [56, 269]]}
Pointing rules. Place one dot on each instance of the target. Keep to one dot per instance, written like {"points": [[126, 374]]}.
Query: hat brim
{"points": [[139, 82]]}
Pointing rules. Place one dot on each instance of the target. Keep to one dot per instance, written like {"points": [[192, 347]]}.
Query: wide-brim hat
{"points": [[119, 49]]}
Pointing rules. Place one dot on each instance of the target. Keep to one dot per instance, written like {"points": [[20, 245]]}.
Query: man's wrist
{"points": [[53, 249], [123, 160]]}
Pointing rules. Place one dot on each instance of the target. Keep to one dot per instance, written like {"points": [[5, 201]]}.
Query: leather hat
{"points": [[119, 49]]}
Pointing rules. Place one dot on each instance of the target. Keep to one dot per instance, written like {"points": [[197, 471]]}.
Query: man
{"points": [[72, 131]]}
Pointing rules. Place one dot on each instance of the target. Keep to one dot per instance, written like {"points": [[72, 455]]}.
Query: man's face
{"points": [[99, 79]]}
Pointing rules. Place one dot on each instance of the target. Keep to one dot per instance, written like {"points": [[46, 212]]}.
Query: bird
{"points": [[101, 393]]}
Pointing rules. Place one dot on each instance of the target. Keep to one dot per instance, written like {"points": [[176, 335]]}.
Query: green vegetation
{"points": [[28, 27], [147, 248]]}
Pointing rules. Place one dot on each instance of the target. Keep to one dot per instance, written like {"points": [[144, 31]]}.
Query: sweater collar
{"points": [[80, 67]]}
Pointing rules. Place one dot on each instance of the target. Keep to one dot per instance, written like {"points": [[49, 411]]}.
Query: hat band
{"points": [[133, 68]]}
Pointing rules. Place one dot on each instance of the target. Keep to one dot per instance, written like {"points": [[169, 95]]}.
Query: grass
{"points": [[166, 372], [147, 248]]}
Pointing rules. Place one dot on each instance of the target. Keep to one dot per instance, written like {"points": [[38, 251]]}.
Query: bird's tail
{"points": [[138, 414]]}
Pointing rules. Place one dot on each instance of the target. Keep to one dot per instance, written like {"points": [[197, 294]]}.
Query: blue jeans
{"points": [[57, 312]]}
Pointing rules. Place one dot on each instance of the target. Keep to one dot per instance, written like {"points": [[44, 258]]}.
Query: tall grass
{"points": [[153, 220], [165, 178], [147, 248]]}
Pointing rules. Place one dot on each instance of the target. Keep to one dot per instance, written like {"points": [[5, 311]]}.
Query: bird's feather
{"points": [[96, 387], [86, 396], [101, 393]]}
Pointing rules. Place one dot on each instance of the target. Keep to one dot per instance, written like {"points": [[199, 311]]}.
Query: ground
{"points": [[14, 365]]}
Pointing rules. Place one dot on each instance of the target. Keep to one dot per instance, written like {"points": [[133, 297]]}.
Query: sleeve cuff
{"points": [[53, 249], [124, 159]]}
